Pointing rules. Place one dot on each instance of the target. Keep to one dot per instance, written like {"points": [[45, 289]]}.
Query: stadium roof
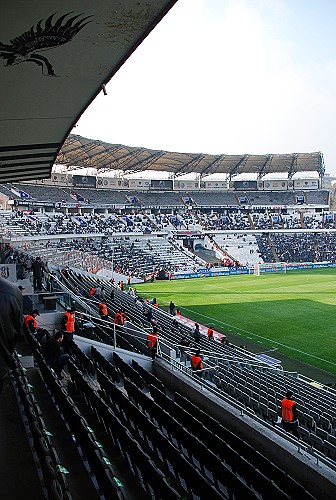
{"points": [[74, 47], [79, 152]]}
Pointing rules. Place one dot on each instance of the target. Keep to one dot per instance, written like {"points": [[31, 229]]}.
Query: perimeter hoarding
{"points": [[301, 266]]}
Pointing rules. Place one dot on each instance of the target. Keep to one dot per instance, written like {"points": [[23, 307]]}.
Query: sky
{"points": [[227, 77]]}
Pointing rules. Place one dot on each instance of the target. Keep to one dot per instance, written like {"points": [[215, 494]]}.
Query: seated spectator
{"points": [[54, 354]]}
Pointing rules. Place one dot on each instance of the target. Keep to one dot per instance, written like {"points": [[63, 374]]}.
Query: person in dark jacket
{"points": [[197, 333], [37, 268], [10, 324], [54, 354], [172, 308]]}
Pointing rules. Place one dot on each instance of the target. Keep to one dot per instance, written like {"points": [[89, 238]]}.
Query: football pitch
{"points": [[294, 313]]}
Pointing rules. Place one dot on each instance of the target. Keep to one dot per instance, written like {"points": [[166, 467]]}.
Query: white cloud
{"points": [[219, 81]]}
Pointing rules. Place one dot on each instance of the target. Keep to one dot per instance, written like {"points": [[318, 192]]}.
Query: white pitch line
{"points": [[261, 337]]}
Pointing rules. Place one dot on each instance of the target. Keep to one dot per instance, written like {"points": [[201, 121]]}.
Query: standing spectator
{"points": [[149, 315], [289, 415], [37, 273], [152, 342], [197, 333], [10, 324], [102, 293], [172, 308], [197, 363], [184, 342], [68, 326], [112, 295], [102, 310], [54, 354], [123, 316]]}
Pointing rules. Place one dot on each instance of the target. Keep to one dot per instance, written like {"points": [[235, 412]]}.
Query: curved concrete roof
{"points": [[55, 56], [80, 152]]}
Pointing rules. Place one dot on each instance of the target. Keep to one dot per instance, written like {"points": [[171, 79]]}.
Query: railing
{"points": [[301, 448]]}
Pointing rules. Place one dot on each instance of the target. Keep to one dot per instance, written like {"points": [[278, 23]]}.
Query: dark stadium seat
{"points": [[148, 377], [316, 441], [105, 365], [330, 450]]}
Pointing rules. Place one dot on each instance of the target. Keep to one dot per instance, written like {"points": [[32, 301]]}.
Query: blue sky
{"points": [[227, 76]]}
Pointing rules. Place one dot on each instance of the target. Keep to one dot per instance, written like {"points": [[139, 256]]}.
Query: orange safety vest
{"points": [[196, 362], [287, 410], [118, 319], [92, 291], [70, 322], [151, 340], [210, 333], [30, 318], [102, 309]]}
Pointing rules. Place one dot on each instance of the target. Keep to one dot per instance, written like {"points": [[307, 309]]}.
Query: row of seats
{"points": [[53, 473], [152, 480], [254, 389], [86, 440], [209, 447]]}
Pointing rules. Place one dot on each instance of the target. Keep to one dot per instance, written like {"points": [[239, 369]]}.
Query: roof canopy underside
{"points": [[80, 152], [73, 48]]}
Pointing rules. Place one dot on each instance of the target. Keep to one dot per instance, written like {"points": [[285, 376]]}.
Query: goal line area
{"points": [[276, 267]]}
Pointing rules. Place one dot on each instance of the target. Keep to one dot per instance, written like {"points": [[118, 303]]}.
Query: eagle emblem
{"points": [[54, 33]]}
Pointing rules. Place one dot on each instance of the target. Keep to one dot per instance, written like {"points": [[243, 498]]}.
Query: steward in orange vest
{"points": [[68, 320], [102, 310], [210, 333], [118, 318], [30, 323], [152, 339], [92, 291], [68, 325], [289, 415], [30, 326], [197, 363]]}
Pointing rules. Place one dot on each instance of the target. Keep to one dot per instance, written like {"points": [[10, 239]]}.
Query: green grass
{"points": [[294, 312]]}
